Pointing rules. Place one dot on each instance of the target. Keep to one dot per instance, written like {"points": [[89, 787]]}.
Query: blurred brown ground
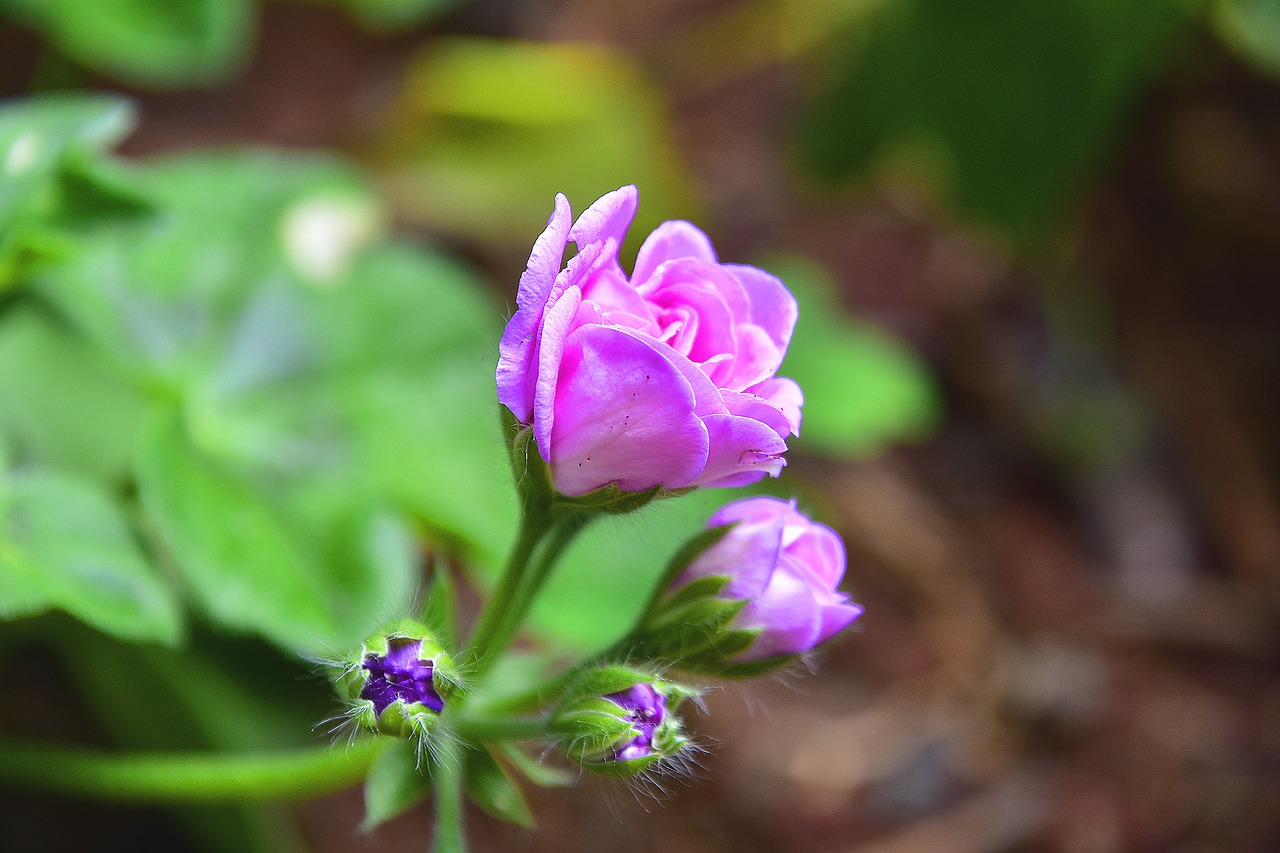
{"points": [[1055, 655]]}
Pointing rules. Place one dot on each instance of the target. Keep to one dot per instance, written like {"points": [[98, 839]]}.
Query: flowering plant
{"points": [[253, 407]]}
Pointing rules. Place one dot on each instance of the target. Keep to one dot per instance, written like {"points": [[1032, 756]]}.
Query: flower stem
{"points": [[533, 526], [491, 729], [448, 835], [185, 777]]}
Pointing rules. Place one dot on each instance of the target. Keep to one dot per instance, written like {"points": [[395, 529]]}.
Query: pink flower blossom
{"points": [[664, 379]]}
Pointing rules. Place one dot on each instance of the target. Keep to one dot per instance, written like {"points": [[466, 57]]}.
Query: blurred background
{"points": [[1037, 246]]}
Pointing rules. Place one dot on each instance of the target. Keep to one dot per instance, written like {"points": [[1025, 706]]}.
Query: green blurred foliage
{"points": [[1004, 106], [864, 389], [1251, 28], [172, 44], [485, 133]]}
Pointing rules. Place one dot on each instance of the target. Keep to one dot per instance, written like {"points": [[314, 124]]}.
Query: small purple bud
{"points": [[646, 710], [400, 674]]}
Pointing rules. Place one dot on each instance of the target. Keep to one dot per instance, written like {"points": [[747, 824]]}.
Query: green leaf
{"points": [[64, 544], [863, 388], [483, 137], [230, 544], [491, 787], [51, 175], [160, 43], [1251, 28], [49, 380], [394, 784], [1003, 105], [543, 775]]}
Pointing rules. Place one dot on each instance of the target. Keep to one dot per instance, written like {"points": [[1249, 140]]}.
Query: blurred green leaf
{"points": [[49, 380], [65, 545], [491, 787], [158, 43], [864, 389], [49, 176], [1251, 28], [394, 784], [597, 591], [1006, 105], [486, 133]]}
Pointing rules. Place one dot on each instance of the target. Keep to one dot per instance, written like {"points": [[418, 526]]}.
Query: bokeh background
{"points": [[1038, 250]]}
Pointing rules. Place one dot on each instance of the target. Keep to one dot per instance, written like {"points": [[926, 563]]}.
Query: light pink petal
{"points": [[747, 555], [742, 451], [701, 298], [785, 395], [837, 617], [762, 508], [787, 612], [772, 307], [756, 359], [608, 218], [618, 300], [820, 549], [669, 241], [515, 351], [623, 414]]}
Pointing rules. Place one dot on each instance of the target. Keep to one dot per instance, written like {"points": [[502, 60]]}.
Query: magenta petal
{"points": [[758, 509], [784, 394], [751, 406], [742, 451], [820, 549], [556, 325], [608, 218], [515, 351], [623, 414], [669, 241]]}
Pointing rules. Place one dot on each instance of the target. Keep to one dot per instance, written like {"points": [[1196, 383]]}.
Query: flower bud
{"points": [[399, 682], [762, 592], [620, 722]]}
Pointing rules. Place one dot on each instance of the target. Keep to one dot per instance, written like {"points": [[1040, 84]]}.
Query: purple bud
{"points": [[400, 674], [646, 710]]}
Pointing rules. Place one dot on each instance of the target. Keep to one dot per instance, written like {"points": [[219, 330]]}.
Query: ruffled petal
{"points": [[747, 556], [557, 323], [608, 218], [820, 550], [515, 351], [742, 451], [785, 395], [623, 414], [669, 241], [772, 307]]}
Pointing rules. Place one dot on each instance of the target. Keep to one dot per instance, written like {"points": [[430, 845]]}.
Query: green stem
{"points": [[533, 526], [448, 835], [185, 777], [491, 729], [500, 631]]}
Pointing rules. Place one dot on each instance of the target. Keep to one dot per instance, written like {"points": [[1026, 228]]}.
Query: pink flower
{"points": [[786, 567], [666, 379]]}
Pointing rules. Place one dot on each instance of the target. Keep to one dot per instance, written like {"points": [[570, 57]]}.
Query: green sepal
{"points": [[691, 550], [531, 473], [395, 783], [749, 669], [490, 786]]}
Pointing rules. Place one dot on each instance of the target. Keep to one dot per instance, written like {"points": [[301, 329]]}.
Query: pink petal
{"points": [[556, 326], [515, 359], [772, 307], [789, 615], [623, 414], [608, 218], [671, 240], [837, 617], [820, 550], [741, 452], [747, 555], [756, 408], [784, 394]]}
